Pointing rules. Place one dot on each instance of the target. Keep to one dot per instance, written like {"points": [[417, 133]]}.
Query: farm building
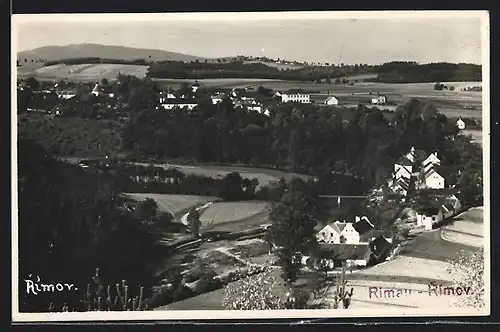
{"points": [[297, 98], [331, 100]]}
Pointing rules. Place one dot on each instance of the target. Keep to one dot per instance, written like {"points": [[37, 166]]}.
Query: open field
{"points": [[467, 229], [264, 176], [431, 246], [84, 72], [172, 203], [226, 212], [477, 135], [412, 268]]}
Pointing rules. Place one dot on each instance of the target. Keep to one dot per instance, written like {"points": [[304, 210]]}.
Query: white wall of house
{"points": [[356, 262], [428, 221], [460, 124], [331, 101], [402, 172], [398, 166], [328, 235], [300, 98], [350, 234], [434, 181], [172, 106], [432, 158]]}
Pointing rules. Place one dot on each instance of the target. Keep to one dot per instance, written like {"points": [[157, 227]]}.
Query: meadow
{"points": [[228, 212], [84, 72], [173, 204], [467, 228]]}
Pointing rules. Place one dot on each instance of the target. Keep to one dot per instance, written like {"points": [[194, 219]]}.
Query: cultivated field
{"points": [[84, 72], [172, 203], [226, 212]]}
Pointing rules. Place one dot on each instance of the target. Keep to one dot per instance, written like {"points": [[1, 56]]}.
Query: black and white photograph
{"points": [[184, 166]]}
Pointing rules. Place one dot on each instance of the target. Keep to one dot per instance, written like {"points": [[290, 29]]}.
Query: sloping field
{"points": [[87, 72], [467, 229], [413, 268], [172, 203], [226, 212], [431, 246]]}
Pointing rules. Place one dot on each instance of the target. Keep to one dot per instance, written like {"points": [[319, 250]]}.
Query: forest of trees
{"points": [[412, 72], [359, 142], [70, 224]]}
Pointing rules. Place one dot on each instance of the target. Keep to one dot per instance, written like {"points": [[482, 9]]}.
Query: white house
{"points": [[338, 232], [331, 100], [195, 86], [297, 97], [217, 99], [453, 201], [405, 163], [169, 104], [277, 94], [431, 161], [402, 172], [66, 94], [329, 234], [380, 100], [100, 90], [427, 217], [348, 232], [433, 180], [460, 124]]}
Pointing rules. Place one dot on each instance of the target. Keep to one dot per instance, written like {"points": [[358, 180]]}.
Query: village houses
{"points": [[331, 100], [460, 124]]}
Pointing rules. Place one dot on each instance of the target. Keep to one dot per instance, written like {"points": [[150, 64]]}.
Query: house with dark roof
{"points": [[379, 248], [362, 225]]}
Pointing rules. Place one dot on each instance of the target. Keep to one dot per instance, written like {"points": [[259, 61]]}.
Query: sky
{"points": [[363, 40]]}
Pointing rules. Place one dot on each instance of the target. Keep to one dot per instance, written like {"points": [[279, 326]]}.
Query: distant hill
{"points": [[54, 53]]}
